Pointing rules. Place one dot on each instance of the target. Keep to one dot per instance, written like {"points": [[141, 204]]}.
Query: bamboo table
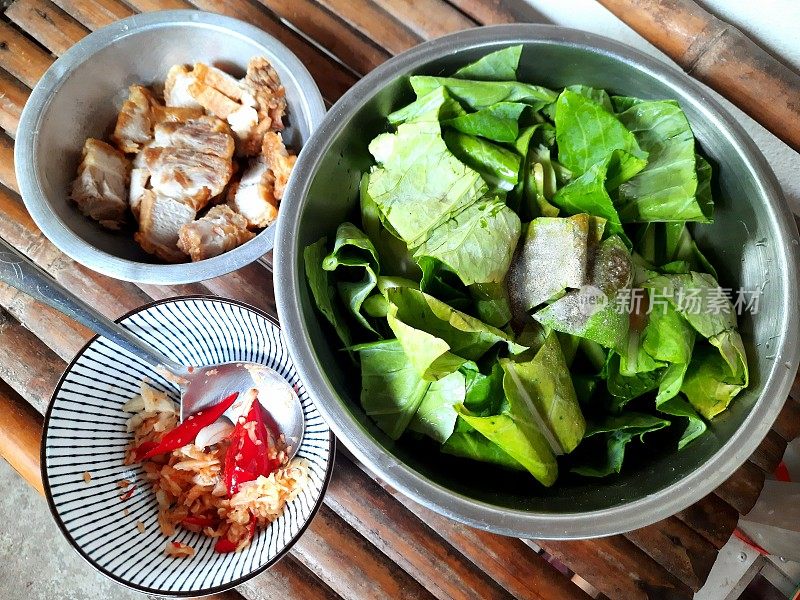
{"points": [[367, 541]]}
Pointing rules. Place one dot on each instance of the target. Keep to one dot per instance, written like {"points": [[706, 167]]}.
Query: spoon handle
{"points": [[21, 273]]}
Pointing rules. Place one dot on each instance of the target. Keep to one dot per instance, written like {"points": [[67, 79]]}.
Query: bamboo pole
{"points": [[718, 54]]}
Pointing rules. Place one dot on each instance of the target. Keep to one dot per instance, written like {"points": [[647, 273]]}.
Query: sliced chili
{"points": [[248, 455], [186, 432], [198, 521], [224, 545]]}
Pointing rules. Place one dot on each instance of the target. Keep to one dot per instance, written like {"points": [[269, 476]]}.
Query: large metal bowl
{"points": [[753, 243], [80, 96]]}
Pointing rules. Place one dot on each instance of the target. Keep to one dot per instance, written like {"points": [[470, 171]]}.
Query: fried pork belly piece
{"points": [[218, 231], [99, 189], [140, 113], [251, 106], [134, 126], [160, 222], [191, 161], [253, 196], [224, 83], [265, 85], [176, 88], [279, 160], [208, 135], [175, 114]]}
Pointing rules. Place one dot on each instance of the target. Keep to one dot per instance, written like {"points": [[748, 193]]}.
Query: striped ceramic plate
{"points": [[85, 433]]}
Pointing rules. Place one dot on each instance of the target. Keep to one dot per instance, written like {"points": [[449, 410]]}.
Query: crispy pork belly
{"points": [[222, 82], [99, 189], [191, 161], [187, 174], [139, 181], [176, 88], [279, 160], [218, 231], [138, 186], [266, 87], [253, 197], [208, 135], [176, 114], [134, 126], [214, 101], [160, 222]]}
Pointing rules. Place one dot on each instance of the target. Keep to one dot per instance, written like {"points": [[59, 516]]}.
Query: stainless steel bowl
{"points": [[753, 242], [80, 95]]}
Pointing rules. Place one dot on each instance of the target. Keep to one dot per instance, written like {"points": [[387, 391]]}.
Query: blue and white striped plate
{"points": [[85, 432]]}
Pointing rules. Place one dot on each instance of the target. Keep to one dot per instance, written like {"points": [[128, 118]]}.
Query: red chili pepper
{"points": [[198, 521], [248, 457], [185, 432], [224, 545]]}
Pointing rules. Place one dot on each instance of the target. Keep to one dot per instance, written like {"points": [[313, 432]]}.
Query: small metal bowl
{"points": [[753, 243], [80, 96]]}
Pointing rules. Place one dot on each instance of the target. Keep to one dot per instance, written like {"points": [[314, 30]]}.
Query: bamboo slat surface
{"points": [[367, 541]]}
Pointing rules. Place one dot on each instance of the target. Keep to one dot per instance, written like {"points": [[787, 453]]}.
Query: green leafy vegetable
{"points": [[592, 311], [420, 184], [491, 303], [496, 66], [464, 335], [391, 390], [394, 256], [436, 415], [498, 167], [665, 190], [353, 250], [477, 244], [617, 431], [517, 435], [482, 94], [587, 132], [498, 122], [437, 105], [588, 193], [323, 290], [544, 386], [553, 258], [469, 443]]}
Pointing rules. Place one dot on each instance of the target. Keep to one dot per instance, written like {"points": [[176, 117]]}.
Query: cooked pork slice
{"points": [[160, 222], [138, 186], [176, 87], [206, 134], [99, 189], [217, 232], [270, 95], [139, 180], [279, 160], [221, 81], [135, 121], [214, 101], [253, 197], [176, 114], [248, 130], [184, 173]]}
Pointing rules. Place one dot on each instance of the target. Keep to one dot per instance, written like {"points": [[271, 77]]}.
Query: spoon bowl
{"points": [[203, 387]]}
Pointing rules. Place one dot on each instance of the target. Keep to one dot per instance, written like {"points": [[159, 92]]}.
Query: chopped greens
{"points": [[523, 289]]}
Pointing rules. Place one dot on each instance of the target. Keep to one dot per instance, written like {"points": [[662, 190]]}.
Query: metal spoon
{"points": [[201, 387]]}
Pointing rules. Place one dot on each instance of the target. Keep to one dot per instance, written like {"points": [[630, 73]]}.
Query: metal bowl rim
{"points": [[313, 110], [508, 521]]}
